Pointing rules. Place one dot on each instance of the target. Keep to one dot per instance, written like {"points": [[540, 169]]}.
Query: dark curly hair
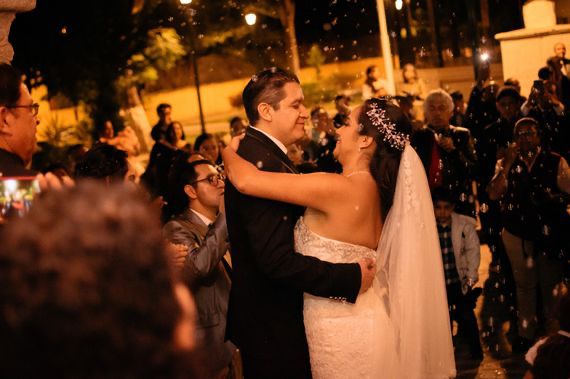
{"points": [[101, 162], [86, 289], [385, 161]]}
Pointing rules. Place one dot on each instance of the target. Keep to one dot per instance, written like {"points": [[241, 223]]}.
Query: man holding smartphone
{"points": [[18, 122], [545, 107], [447, 152]]}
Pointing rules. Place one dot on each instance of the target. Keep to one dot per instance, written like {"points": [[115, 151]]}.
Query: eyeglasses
{"points": [[212, 179], [35, 108]]}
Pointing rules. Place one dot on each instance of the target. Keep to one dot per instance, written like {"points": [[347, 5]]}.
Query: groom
{"points": [[265, 315]]}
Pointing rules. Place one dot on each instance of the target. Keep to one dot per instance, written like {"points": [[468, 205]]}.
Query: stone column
{"points": [[8, 10], [539, 14], [525, 51]]}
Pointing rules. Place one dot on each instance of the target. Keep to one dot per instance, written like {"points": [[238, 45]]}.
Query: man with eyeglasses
{"points": [[18, 122], [195, 208], [533, 185]]}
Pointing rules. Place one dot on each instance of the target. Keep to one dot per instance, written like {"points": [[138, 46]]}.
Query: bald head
{"points": [[560, 50]]}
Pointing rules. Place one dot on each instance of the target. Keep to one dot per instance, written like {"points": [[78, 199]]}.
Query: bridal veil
{"points": [[410, 267]]}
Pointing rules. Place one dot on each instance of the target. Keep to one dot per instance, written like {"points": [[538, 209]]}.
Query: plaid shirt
{"points": [[449, 267]]}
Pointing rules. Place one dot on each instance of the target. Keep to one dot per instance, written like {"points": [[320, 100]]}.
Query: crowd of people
{"points": [[114, 278]]}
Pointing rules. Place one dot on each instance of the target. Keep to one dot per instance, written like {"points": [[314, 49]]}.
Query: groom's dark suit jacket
{"points": [[265, 316]]}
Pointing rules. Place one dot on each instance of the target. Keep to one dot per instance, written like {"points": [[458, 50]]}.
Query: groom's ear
{"points": [[265, 111]]}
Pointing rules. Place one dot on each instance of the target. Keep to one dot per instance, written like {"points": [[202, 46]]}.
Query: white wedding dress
{"points": [[400, 327], [345, 340]]}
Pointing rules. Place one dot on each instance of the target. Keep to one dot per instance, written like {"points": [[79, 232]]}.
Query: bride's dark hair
{"points": [[386, 157]]}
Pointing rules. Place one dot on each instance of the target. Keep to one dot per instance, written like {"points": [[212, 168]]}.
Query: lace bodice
{"points": [[310, 243]]}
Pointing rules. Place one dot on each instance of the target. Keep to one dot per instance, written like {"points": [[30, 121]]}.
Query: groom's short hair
{"points": [[265, 87]]}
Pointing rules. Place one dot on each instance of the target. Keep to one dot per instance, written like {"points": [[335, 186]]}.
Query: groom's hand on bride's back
{"points": [[368, 272]]}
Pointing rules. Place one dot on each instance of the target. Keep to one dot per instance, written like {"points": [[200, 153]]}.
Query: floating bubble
{"points": [[259, 165]]}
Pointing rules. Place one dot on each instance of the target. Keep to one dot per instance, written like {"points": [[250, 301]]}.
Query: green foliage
{"points": [[325, 90], [316, 59], [164, 49], [85, 47], [56, 134], [342, 81], [315, 93]]}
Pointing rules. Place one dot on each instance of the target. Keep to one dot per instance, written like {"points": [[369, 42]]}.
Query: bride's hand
{"points": [[234, 143], [239, 171]]}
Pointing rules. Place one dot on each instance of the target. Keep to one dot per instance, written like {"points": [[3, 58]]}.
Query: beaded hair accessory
{"points": [[386, 127]]}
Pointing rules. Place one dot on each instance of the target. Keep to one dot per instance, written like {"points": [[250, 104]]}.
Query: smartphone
{"points": [[17, 195], [538, 85]]}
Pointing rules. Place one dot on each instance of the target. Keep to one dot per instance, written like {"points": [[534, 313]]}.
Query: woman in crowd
{"points": [[373, 86], [176, 137], [413, 85], [207, 145]]}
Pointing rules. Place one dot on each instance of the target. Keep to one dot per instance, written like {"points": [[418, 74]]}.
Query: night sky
{"points": [[329, 19]]}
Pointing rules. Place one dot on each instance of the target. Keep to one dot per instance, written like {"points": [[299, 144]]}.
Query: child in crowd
{"points": [[461, 257]]}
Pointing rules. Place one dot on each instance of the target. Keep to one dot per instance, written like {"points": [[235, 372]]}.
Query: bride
{"points": [[379, 207]]}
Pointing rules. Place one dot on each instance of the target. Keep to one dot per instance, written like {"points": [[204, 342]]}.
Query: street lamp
{"points": [[250, 19], [385, 46], [195, 66], [399, 4]]}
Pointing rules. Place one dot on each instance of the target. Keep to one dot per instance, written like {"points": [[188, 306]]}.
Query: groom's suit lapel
{"points": [[279, 154]]}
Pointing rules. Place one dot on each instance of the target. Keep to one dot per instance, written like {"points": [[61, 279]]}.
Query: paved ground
{"points": [[498, 362]]}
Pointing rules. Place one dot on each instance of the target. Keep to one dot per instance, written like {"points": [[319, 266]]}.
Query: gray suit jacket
{"points": [[205, 274], [466, 248]]}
